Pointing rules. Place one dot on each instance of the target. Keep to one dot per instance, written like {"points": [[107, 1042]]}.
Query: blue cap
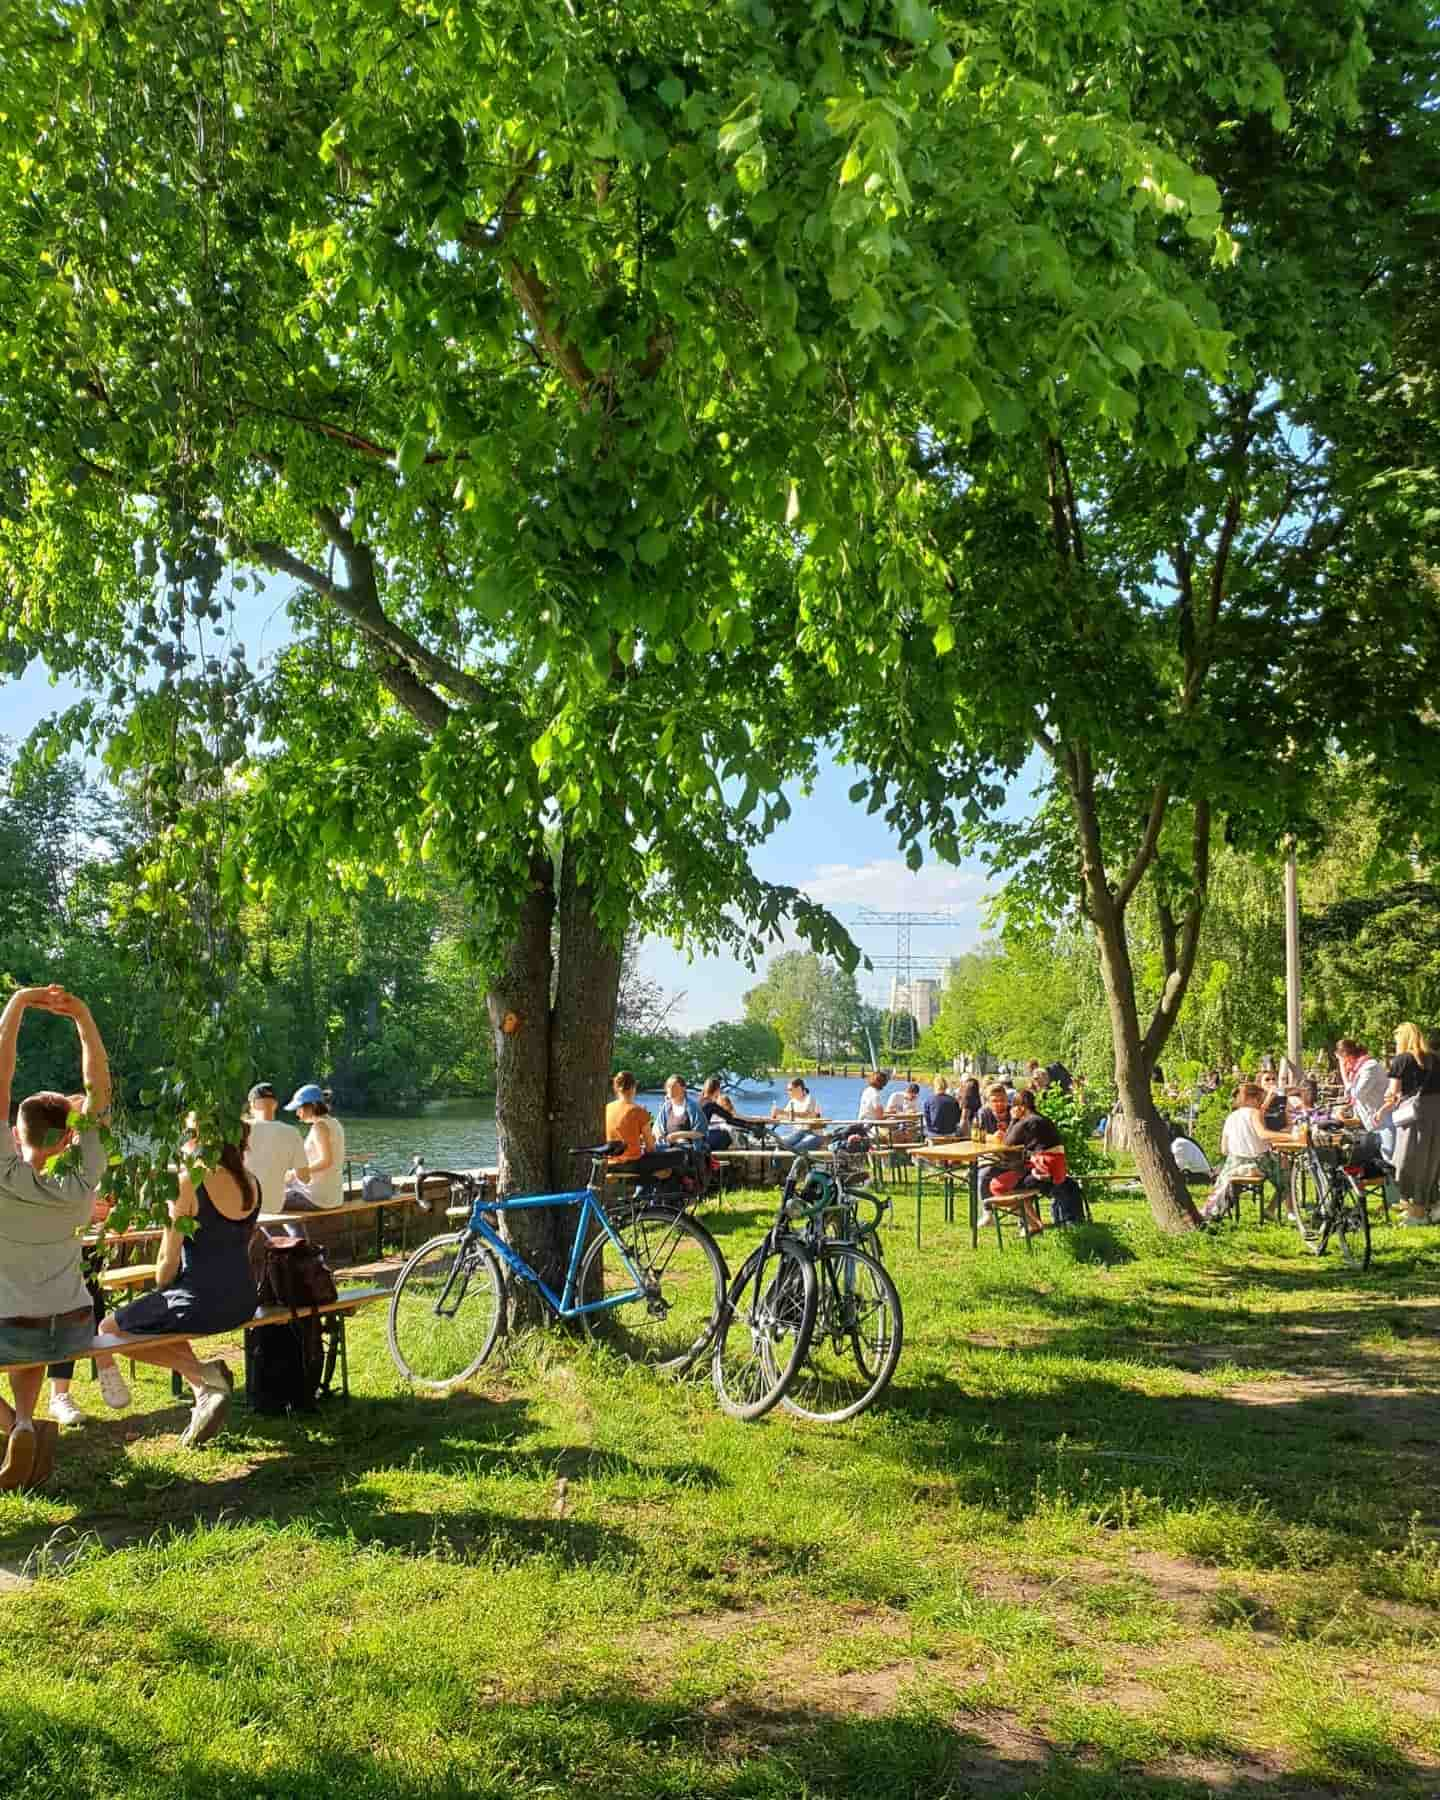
{"points": [[309, 1095]]}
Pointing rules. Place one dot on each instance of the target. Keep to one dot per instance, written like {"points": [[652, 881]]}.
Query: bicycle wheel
{"points": [[1307, 1208], [447, 1310], [764, 1329], [855, 1347], [683, 1274], [1352, 1224]]}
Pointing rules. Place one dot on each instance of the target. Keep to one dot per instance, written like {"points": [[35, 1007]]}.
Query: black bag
{"points": [[1066, 1205], [288, 1370]]}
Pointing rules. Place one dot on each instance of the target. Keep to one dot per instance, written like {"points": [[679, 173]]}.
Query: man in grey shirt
{"points": [[45, 1309]]}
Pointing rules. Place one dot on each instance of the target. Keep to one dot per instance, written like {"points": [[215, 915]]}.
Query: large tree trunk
{"points": [[1170, 1202], [519, 1007], [582, 1030], [552, 1057]]}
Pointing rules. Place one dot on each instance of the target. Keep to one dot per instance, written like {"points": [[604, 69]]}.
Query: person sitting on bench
{"points": [[45, 1308], [1245, 1141], [205, 1283], [1039, 1137]]}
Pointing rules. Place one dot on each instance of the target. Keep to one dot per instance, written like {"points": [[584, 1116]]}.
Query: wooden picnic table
{"points": [[957, 1154], [147, 1234]]}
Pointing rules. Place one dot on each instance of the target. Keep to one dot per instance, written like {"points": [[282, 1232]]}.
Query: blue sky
{"points": [[839, 854]]}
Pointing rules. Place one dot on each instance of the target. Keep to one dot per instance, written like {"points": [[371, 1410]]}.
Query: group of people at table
{"points": [[52, 1308], [1030, 1155], [1397, 1103]]}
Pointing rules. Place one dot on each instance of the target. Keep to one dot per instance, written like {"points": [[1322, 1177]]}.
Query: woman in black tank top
{"points": [[206, 1285]]}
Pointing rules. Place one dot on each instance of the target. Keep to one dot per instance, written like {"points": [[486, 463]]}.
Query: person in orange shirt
{"points": [[626, 1121]]}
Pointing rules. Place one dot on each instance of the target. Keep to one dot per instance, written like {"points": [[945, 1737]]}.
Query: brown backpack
{"points": [[287, 1361]]}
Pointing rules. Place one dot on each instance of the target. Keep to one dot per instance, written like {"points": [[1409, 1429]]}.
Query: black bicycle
{"points": [[1335, 1165], [813, 1319]]}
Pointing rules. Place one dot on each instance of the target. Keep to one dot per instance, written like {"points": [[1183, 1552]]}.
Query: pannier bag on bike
{"points": [[287, 1360]]}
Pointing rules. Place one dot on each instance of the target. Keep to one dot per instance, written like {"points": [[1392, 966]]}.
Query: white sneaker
{"points": [[207, 1416], [220, 1376], [113, 1388], [64, 1411], [986, 1217]]}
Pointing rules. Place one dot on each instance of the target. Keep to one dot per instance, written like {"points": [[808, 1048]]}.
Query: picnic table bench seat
{"points": [[332, 1316]]}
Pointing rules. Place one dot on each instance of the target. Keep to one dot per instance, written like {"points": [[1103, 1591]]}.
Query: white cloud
{"points": [[886, 883]]}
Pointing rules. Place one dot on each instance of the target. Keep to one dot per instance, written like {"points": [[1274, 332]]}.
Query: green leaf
{"points": [[411, 453], [653, 546]]}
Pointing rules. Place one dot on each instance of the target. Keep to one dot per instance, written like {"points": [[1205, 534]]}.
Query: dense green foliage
{"points": [[737, 1050], [1375, 960], [636, 399], [1187, 582], [1369, 950], [813, 1005], [543, 350], [377, 1000]]}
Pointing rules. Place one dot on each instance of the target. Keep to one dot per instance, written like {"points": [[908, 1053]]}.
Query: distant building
{"points": [[920, 998]]}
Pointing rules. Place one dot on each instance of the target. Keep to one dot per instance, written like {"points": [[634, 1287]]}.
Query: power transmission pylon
{"points": [[905, 961]]}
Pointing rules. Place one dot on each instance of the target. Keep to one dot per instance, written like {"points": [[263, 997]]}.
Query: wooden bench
{"points": [[331, 1316], [127, 1275]]}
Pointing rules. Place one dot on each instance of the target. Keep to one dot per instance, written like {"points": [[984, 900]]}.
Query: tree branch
{"points": [[1222, 558], [1180, 958], [1077, 536], [534, 299], [475, 236], [1145, 855], [422, 703], [282, 561], [360, 602]]}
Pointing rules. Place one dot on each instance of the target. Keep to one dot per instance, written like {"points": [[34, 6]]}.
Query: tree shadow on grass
{"points": [[619, 1744], [314, 1468], [1336, 1450]]}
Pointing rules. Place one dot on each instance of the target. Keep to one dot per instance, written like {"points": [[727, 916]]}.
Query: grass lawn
{"points": [[1136, 1519]]}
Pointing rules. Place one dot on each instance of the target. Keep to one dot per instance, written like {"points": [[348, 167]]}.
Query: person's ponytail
{"points": [[232, 1161]]}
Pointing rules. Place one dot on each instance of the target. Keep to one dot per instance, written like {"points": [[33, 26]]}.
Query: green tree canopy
{"points": [[811, 1003], [1179, 580], [564, 359]]}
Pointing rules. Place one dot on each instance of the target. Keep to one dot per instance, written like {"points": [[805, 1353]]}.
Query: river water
{"points": [[460, 1134]]}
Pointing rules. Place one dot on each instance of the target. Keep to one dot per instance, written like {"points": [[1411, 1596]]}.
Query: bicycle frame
{"points": [[562, 1304]]}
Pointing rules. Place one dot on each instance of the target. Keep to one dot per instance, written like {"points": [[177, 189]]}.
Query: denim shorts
{"points": [[60, 1341]]}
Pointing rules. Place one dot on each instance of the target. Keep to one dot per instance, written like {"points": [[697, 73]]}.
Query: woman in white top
{"points": [[872, 1104], [320, 1186], [1245, 1144], [801, 1104]]}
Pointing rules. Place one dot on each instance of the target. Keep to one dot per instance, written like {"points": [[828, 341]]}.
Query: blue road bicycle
{"points": [[648, 1282]]}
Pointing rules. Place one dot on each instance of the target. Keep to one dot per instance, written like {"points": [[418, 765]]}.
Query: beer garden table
{"points": [[959, 1154]]}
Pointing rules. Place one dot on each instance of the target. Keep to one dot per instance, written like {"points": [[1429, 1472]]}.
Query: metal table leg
{"points": [[975, 1206]]}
